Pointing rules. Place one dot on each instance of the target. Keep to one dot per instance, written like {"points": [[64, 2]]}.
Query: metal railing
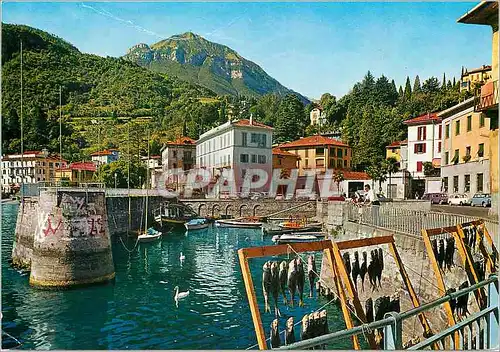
{"points": [[485, 335], [410, 221], [487, 97]]}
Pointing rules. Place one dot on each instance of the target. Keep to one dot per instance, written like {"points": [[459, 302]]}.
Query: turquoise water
{"points": [[138, 311]]}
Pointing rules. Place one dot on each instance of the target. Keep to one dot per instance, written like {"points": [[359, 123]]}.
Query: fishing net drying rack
{"points": [[466, 259], [331, 250]]}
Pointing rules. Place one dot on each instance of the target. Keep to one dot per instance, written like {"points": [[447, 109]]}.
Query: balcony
{"points": [[487, 99]]}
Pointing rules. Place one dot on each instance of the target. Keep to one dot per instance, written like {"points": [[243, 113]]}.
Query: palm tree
{"points": [[391, 165], [377, 173]]}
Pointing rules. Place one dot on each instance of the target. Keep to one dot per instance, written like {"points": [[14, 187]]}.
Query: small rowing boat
{"points": [[149, 235], [197, 224], [298, 237], [273, 230], [238, 223]]}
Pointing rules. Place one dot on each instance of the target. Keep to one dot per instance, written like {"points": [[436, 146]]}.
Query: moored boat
{"points": [[197, 224], [149, 235], [276, 230], [295, 238], [298, 225], [174, 214], [238, 223]]}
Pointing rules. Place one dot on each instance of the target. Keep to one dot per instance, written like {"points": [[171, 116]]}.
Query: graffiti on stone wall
{"points": [[91, 226]]}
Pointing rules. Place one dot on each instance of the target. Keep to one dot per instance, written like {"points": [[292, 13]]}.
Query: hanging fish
{"points": [[275, 334], [453, 301], [347, 263], [311, 273], [472, 245], [363, 269], [435, 248], [395, 305], [319, 288], [289, 332], [369, 310], [300, 281], [441, 254], [283, 273], [479, 267], [380, 258], [463, 301], [323, 317], [450, 252], [382, 305], [275, 286], [266, 285], [356, 270], [305, 328], [372, 269], [292, 280]]}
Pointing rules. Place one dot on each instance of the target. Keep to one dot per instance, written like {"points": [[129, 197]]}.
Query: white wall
{"points": [[432, 140]]}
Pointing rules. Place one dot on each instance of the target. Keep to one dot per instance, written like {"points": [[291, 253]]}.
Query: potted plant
{"points": [[466, 158]]}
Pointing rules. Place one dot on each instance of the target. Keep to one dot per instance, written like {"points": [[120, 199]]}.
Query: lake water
{"points": [[138, 310]]}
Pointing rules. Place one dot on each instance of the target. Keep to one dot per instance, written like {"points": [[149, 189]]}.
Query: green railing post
{"points": [[393, 333], [491, 327]]}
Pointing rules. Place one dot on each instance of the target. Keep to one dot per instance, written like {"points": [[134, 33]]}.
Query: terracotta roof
{"points": [[480, 69], [89, 166], [182, 141], [397, 144], [352, 175], [104, 152], [246, 122], [423, 119], [311, 141], [278, 151]]}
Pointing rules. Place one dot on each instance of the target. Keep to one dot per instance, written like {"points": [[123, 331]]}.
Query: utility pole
{"points": [[22, 131], [60, 130]]}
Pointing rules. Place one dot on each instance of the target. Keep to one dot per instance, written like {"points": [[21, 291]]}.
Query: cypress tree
{"points": [[407, 95], [454, 82], [449, 86], [416, 85], [400, 92], [443, 85]]}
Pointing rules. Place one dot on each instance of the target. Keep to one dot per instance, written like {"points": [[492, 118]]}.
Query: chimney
{"points": [[251, 119]]}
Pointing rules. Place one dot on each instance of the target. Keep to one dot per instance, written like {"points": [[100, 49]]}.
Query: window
{"points": [[174, 154], [481, 120], [467, 150], [455, 184], [339, 153], [253, 138], [263, 141], [419, 166], [332, 151], [421, 133], [480, 152], [254, 158], [345, 163], [339, 163], [440, 131], [307, 153], [447, 131], [457, 128], [331, 164], [262, 159], [244, 139], [456, 157], [445, 184], [320, 151], [467, 183], [469, 123], [229, 158], [479, 183], [419, 148], [320, 163], [244, 158], [446, 158], [439, 147]]}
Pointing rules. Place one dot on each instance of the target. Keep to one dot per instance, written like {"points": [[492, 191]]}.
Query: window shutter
{"points": [[424, 145], [425, 133], [419, 166], [415, 148]]}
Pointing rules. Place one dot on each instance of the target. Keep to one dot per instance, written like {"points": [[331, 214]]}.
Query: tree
{"points": [[429, 169], [443, 84], [338, 177], [391, 166], [407, 93], [377, 173], [416, 85], [291, 120], [120, 168], [430, 85]]}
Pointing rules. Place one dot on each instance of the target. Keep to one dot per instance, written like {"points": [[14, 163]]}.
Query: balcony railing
{"points": [[487, 98]]}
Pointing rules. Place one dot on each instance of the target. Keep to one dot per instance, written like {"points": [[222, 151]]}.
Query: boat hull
{"points": [[237, 224], [282, 231], [148, 238], [295, 239], [196, 227]]}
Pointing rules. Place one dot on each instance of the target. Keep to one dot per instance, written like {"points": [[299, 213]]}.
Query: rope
{"points": [[12, 337], [124, 246]]}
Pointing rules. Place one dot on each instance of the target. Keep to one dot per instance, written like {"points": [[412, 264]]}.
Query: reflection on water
{"points": [[138, 310]]}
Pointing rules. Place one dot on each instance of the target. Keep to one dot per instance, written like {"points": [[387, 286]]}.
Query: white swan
{"points": [[182, 257], [179, 295]]}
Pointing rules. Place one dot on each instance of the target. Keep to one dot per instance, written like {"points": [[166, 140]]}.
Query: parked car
{"points": [[458, 199], [481, 199], [382, 198], [436, 198]]}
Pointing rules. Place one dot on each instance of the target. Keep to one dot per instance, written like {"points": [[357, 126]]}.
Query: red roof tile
{"points": [[423, 119], [356, 175], [88, 166], [246, 122], [103, 152], [278, 151], [397, 144], [183, 141], [311, 141]]}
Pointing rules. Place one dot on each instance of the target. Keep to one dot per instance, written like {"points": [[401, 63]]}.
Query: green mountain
{"points": [[94, 89], [215, 66]]}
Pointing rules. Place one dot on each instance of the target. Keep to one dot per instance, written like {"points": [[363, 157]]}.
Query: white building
{"points": [[105, 156], [31, 167], [317, 117], [178, 154], [238, 145], [424, 143]]}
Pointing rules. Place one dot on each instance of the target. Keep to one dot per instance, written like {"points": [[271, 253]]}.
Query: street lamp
{"points": [[115, 179], [140, 181]]}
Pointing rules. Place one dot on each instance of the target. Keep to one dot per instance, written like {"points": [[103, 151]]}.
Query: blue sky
{"points": [[312, 48]]}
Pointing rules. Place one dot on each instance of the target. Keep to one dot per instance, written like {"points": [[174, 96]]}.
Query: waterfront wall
{"points": [[71, 244], [26, 225]]}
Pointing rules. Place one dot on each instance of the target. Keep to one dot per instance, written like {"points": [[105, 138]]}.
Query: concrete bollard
{"points": [[72, 244]]}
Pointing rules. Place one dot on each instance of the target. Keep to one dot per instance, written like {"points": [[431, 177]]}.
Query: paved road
{"points": [[464, 210]]}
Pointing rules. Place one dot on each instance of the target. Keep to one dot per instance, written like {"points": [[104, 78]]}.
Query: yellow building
{"points": [[75, 173], [486, 13], [399, 151], [470, 80], [284, 160], [320, 153]]}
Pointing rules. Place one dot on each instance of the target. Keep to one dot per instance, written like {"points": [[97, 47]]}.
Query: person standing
{"points": [[369, 195]]}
